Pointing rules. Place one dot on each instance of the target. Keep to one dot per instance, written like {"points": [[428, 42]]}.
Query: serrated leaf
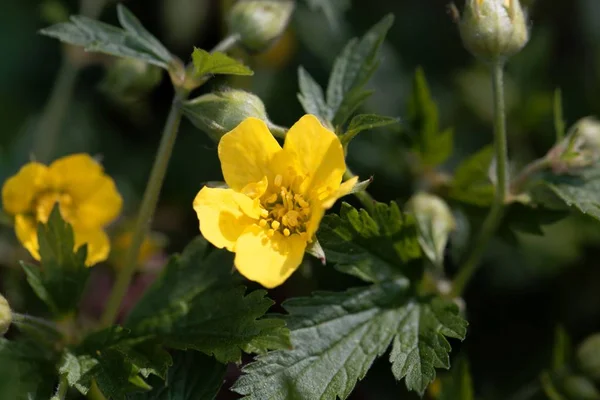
{"points": [[217, 63], [420, 346], [352, 70], [432, 145], [117, 361], [375, 248], [311, 97], [196, 304], [133, 41], [62, 276], [365, 122], [193, 376], [471, 183], [337, 336], [581, 192]]}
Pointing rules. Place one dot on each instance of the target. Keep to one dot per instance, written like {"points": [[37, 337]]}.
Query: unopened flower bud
{"points": [[588, 357], [435, 222], [494, 30], [5, 315], [219, 112], [130, 78], [260, 22], [579, 149]]}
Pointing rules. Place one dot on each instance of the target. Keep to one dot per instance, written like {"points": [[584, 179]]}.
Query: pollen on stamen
{"points": [[275, 225], [264, 213], [286, 232], [270, 233], [262, 223]]}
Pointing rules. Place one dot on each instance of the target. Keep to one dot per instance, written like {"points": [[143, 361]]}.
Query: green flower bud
{"points": [[218, 113], [260, 22], [494, 30], [588, 357], [435, 222], [5, 315], [130, 78], [579, 149]]}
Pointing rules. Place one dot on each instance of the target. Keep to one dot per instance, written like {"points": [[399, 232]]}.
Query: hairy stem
{"points": [[491, 222], [150, 199], [147, 208], [61, 390], [50, 123], [520, 182]]}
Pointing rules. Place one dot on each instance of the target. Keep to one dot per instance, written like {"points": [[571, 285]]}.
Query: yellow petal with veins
{"points": [[222, 221], [246, 152], [268, 260]]}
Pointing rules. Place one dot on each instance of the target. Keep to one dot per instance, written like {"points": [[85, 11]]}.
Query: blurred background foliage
{"points": [[529, 283]]}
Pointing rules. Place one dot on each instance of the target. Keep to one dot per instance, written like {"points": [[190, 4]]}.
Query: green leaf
{"points": [[420, 345], [581, 192], [217, 63], [471, 183], [458, 384], [365, 122], [132, 41], [26, 370], [311, 96], [117, 361], [196, 304], [193, 376], [432, 145], [375, 248], [62, 277], [352, 70], [337, 336]]}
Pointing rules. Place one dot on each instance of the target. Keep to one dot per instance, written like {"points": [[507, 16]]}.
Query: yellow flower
{"points": [[276, 197], [87, 198]]}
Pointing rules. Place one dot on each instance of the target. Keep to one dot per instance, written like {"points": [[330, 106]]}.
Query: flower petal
{"points": [[221, 219], [319, 152], [246, 152], [343, 190], [97, 201], [268, 261], [98, 245], [26, 231], [19, 190]]}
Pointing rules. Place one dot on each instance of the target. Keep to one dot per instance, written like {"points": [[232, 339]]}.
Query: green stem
{"points": [[41, 325], [226, 43], [61, 390], [48, 127], [520, 182], [277, 131], [363, 196], [490, 224], [94, 393], [149, 201]]}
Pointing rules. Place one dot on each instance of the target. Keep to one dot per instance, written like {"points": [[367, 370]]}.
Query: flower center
{"points": [[44, 203], [283, 210]]}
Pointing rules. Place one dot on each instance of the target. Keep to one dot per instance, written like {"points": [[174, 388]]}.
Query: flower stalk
{"points": [[48, 126], [150, 199], [493, 219]]}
